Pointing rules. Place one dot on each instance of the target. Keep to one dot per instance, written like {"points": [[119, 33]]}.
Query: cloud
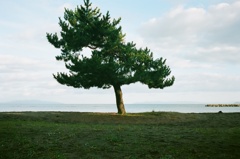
{"points": [[22, 73], [201, 46], [212, 32], [225, 54], [21, 64], [28, 78], [207, 82]]}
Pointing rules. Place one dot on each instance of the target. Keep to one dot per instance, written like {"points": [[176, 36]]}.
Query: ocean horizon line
{"points": [[130, 108]]}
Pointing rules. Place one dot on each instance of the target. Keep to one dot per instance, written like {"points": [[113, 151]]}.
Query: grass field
{"points": [[162, 135]]}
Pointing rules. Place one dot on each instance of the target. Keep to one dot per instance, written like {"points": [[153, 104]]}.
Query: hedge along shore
{"points": [[223, 105]]}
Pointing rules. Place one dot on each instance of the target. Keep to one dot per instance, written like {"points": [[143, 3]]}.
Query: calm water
{"points": [[133, 108]]}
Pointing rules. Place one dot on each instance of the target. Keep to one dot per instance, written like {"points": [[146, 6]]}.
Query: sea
{"points": [[130, 108]]}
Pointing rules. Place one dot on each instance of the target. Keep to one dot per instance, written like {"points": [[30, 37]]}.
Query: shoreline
{"points": [[109, 113], [130, 108], [223, 105]]}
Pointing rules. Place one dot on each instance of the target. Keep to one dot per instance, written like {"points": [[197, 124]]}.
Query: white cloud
{"points": [[22, 74], [225, 54], [206, 35], [201, 46]]}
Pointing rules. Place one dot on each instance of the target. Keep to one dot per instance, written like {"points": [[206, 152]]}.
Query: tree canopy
{"points": [[113, 62]]}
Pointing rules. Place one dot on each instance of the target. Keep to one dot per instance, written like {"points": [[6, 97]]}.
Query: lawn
{"points": [[162, 135]]}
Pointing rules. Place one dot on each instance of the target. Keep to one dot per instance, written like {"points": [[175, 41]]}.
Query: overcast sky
{"points": [[199, 39]]}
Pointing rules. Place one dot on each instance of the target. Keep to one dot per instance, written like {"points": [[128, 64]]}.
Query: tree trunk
{"points": [[119, 99]]}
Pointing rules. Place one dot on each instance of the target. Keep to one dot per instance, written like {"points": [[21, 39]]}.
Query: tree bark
{"points": [[119, 99]]}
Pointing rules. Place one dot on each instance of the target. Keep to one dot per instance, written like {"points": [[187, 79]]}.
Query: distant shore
{"points": [[223, 105]]}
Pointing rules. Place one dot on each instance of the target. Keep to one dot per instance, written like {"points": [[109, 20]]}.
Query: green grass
{"points": [[54, 135]]}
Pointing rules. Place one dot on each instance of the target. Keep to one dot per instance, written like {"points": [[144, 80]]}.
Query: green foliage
{"points": [[112, 62]]}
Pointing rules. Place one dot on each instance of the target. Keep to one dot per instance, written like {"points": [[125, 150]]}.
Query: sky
{"points": [[199, 39]]}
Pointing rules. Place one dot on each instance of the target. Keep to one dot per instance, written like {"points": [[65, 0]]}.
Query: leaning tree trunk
{"points": [[119, 99]]}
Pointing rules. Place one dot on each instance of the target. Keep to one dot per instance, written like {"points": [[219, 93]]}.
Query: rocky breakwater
{"points": [[223, 105]]}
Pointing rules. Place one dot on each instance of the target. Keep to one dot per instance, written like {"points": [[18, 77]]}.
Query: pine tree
{"points": [[113, 62]]}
